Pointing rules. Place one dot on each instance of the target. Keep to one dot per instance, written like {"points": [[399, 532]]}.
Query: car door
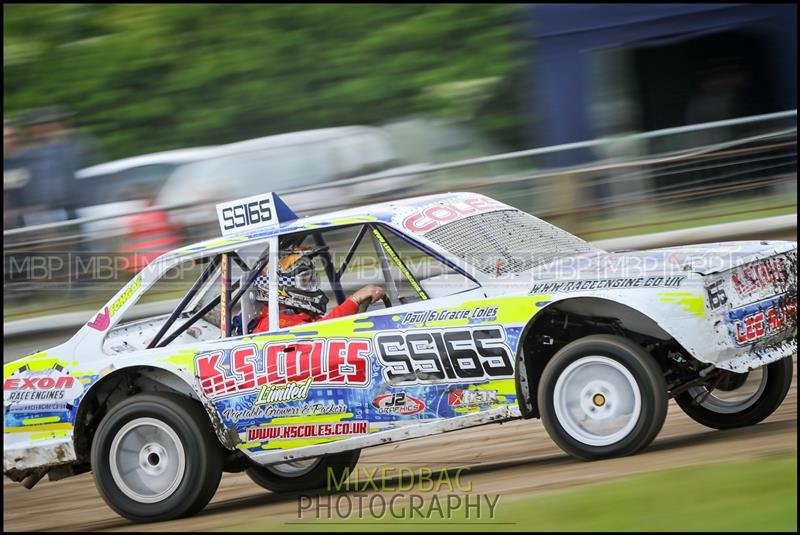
{"points": [[431, 356]]}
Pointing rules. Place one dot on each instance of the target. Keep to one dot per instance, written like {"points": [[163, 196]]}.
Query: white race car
{"points": [[490, 314]]}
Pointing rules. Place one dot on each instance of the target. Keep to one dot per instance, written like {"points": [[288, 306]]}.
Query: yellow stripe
{"points": [[42, 420], [184, 357], [399, 264], [691, 303], [292, 443], [31, 428], [50, 434]]}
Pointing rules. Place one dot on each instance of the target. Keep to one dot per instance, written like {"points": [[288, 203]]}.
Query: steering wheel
{"points": [[365, 304]]}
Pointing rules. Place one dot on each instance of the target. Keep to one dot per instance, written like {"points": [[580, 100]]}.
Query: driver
{"points": [[300, 298]]}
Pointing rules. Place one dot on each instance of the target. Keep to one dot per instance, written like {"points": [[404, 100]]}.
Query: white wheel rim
{"points": [[147, 460], [597, 401], [733, 401], [294, 468]]}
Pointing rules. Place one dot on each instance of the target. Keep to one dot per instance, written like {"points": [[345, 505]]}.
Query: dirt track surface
{"points": [[512, 459]]}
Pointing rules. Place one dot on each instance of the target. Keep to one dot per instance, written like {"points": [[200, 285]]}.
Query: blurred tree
{"points": [[152, 77]]}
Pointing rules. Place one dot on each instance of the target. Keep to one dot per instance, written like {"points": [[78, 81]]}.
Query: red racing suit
{"points": [[347, 308], [148, 236]]}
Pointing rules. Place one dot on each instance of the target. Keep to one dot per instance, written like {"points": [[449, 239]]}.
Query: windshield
{"points": [[507, 241]]}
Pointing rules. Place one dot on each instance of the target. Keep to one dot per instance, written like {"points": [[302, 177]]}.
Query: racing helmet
{"points": [[298, 282]]}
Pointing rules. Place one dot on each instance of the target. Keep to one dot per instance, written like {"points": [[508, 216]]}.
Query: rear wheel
{"points": [[305, 474], [738, 399], [155, 458], [602, 396]]}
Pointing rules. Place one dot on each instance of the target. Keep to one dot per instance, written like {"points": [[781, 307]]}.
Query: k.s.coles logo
{"points": [[245, 368], [398, 403]]}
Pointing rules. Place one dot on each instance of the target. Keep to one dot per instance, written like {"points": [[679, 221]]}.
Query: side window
{"points": [[414, 270], [361, 154], [383, 258], [362, 266], [199, 283], [345, 259], [141, 322]]}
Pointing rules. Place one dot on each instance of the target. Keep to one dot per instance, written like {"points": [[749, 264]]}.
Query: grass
{"points": [[750, 495]]}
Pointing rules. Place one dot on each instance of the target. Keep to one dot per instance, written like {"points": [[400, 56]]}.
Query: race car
{"points": [[490, 315]]}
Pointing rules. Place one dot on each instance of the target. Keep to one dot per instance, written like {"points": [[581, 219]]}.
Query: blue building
{"points": [[604, 69]]}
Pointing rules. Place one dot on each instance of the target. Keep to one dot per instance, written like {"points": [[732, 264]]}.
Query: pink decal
{"points": [[101, 322], [431, 217]]}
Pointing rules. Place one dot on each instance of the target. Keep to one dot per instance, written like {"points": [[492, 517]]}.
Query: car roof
{"points": [[179, 156], [380, 212]]}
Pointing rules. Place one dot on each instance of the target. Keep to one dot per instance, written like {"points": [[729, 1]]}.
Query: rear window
{"points": [[507, 241]]}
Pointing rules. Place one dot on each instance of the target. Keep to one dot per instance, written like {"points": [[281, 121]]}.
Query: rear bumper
{"points": [[754, 311], [757, 357]]}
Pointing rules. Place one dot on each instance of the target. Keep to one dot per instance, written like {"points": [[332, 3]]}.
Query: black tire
{"points": [[778, 381], [340, 464], [647, 376], [202, 452]]}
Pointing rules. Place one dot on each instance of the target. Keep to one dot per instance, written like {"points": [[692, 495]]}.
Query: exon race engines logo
{"points": [[316, 430], [245, 368], [45, 386]]}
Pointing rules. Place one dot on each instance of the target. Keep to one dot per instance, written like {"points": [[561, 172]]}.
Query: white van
{"points": [[314, 170]]}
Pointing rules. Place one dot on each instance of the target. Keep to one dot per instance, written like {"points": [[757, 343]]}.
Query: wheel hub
{"points": [[147, 460], [153, 459], [597, 400]]}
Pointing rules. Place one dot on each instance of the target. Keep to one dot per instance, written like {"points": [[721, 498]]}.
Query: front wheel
{"points": [[155, 457], [306, 474], [739, 400], [602, 396]]}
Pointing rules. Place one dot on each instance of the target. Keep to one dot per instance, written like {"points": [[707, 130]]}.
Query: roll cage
{"points": [[231, 292]]}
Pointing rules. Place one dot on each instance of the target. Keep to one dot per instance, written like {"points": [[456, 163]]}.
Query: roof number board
{"points": [[250, 213]]}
